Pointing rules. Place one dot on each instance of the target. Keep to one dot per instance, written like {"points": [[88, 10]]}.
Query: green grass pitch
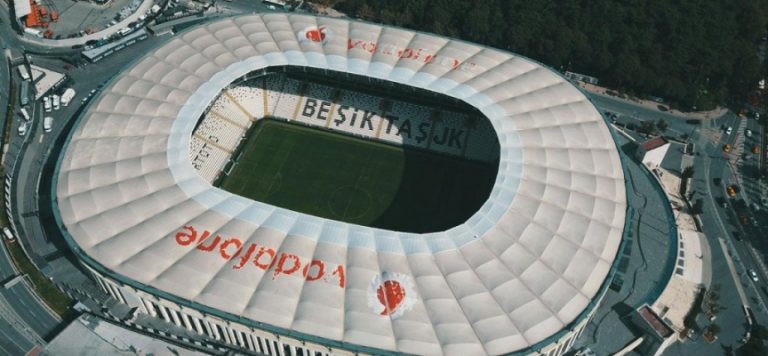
{"points": [[355, 180]]}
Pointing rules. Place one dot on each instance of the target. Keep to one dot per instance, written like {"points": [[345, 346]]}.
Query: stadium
{"points": [[299, 185]]}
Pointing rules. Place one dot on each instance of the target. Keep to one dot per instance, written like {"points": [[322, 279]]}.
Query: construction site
{"points": [[60, 19]]}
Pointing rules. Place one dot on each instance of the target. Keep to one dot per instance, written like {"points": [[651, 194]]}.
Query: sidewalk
{"points": [[652, 105]]}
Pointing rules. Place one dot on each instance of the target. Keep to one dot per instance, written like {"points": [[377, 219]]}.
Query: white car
{"points": [[47, 104], [748, 133], [47, 124], [753, 275], [23, 129], [8, 234], [728, 130]]}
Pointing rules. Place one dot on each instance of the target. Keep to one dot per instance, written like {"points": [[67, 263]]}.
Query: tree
{"points": [[642, 47], [698, 207], [688, 172], [756, 344], [647, 127], [661, 125], [714, 328]]}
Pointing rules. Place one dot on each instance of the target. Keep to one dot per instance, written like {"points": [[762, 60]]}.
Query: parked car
{"points": [[731, 190], [753, 275], [47, 104], [726, 148], [23, 129], [748, 133], [7, 233], [25, 114], [728, 130]]}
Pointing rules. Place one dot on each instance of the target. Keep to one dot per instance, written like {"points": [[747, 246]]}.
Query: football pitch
{"points": [[355, 180]]}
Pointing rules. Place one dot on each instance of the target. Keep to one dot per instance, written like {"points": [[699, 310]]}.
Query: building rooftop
{"points": [[89, 335], [654, 143], [653, 320]]}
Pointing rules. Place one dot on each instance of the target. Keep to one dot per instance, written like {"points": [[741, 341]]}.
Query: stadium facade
{"points": [[523, 275]]}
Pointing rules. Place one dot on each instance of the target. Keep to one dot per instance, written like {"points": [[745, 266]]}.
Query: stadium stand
{"points": [[225, 107], [405, 130], [287, 99], [250, 97], [353, 105], [225, 134], [224, 127], [273, 86], [316, 105], [482, 141], [207, 159]]}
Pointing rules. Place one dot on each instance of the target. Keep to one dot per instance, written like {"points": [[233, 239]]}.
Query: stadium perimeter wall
{"points": [[243, 336]]}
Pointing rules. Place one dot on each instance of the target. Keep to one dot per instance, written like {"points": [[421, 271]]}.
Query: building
{"points": [[522, 275], [652, 152]]}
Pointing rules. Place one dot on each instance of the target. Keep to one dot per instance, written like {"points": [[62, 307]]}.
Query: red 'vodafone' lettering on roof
{"points": [[262, 257], [416, 54]]}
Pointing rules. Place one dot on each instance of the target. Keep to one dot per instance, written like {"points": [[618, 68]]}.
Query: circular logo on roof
{"points": [[391, 294], [314, 34]]}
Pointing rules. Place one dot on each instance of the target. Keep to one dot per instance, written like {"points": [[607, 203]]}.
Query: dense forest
{"points": [[692, 53]]}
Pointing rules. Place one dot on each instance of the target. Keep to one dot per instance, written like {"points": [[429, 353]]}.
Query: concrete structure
{"points": [[522, 275], [89, 335]]}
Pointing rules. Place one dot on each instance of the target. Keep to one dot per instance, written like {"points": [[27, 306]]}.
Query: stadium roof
{"points": [[524, 267]]}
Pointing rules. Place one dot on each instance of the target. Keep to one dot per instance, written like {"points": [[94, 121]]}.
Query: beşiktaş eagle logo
{"points": [[391, 294], [314, 34]]}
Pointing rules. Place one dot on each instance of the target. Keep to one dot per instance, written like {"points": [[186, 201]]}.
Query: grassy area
{"points": [[53, 297], [358, 181]]}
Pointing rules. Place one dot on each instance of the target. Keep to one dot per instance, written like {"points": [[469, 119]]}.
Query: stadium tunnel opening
{"points": [[326, 154]]}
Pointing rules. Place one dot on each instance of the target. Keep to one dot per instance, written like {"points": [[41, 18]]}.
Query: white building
{"points": [[652, 152]]}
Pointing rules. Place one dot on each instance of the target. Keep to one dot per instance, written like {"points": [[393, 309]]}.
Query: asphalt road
{"points": [[718, 221]]}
